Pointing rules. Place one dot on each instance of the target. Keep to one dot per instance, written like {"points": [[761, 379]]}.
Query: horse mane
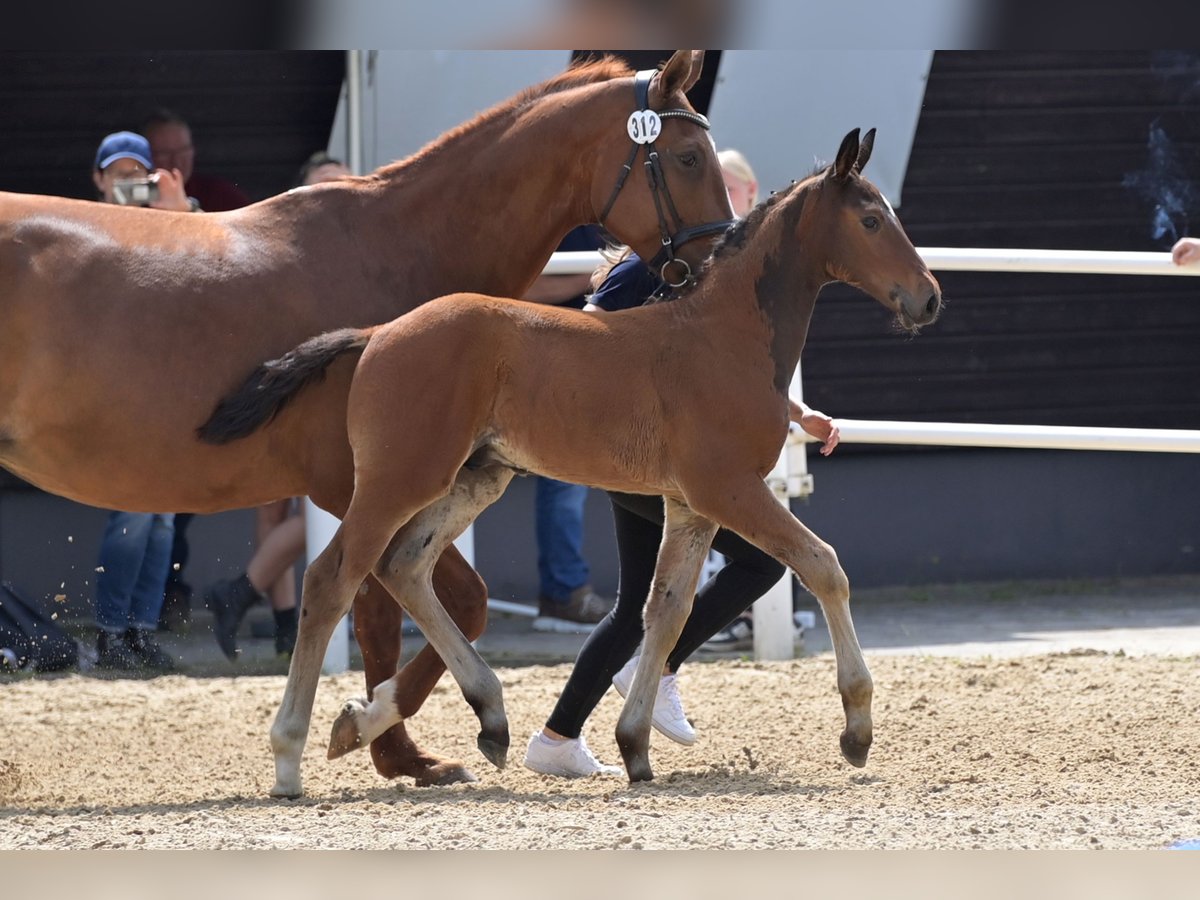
{"points": [[578, 74]]}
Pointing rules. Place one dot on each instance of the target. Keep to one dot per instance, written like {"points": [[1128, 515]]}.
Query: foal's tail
{"points": [[270, 387]]}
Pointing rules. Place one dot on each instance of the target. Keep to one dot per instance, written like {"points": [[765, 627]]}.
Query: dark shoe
{"points": [[229, 599], [145, 648], [285, 632], [578, 614], [737, 635], [114, 652]]}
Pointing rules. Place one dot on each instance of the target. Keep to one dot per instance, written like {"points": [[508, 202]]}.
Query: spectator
{"points": [[135, 549], [170, 139], [567, 601], [1186, 251], [321, 167]]}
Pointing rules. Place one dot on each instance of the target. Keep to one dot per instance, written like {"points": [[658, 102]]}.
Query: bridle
{"points": [[644, 126]]}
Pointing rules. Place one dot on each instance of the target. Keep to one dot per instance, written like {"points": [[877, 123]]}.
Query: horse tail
{"points": [[270, 387]]}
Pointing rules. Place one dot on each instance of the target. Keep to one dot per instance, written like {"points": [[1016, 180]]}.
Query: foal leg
{"points": [[329, 587], [406, 570], [377, 618], [686, 539], [756, 515]]}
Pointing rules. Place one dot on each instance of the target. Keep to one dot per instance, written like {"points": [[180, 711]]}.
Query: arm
{"points": [[171, 194], [1186, 252], [556, 289], [816, 423]]}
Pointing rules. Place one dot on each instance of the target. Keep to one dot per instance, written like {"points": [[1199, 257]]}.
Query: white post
{"points": [[319, 528], [773, 629]]}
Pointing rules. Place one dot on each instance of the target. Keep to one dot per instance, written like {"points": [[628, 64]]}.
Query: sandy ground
{"points": [[1076, 750]]}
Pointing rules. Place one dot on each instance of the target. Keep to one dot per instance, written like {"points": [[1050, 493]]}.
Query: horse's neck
{"points": [[495, 200], [766, 293]]}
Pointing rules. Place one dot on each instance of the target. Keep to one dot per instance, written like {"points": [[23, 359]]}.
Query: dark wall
{"points": [[255, 115], [1080, 150]]}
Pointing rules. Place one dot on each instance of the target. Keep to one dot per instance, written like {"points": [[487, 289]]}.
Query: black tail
{"points": [[272, 385]]}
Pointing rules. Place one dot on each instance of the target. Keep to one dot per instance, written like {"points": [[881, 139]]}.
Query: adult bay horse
{"points": [[687, 399], [121, 327]]}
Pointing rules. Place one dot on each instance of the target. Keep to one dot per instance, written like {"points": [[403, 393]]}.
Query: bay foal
{"points": [[687, 399]]}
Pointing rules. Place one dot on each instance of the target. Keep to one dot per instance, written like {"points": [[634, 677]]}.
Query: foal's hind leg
{"points": [[685, 543], [406, 570], [329, 586], [377, 619], [757, 516]]}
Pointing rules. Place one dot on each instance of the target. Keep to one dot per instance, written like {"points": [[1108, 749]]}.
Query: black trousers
{"points": [[638, 521]]}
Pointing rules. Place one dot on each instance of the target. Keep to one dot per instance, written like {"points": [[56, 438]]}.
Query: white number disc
{"points": [[644, 126]]}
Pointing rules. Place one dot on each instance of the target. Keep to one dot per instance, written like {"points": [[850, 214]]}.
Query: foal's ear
{"points": [[864, 150], [847, 156], [680, 73]]}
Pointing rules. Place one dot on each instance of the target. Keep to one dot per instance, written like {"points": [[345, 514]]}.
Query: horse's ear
{"points": [[680, 73], [864, 150], [847, 156]]}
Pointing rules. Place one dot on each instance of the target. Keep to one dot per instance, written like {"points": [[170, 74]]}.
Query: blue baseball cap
{"points": [[123, 145]]}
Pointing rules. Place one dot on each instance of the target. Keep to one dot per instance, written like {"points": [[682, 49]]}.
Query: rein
{"points": [[644, 127]]}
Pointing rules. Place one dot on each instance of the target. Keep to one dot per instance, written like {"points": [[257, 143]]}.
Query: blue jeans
{"points": [[559, 509], [135, 556]]}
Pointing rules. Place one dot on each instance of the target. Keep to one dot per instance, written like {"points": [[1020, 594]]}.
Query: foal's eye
{"points": [[871, 223], [689, 159]]}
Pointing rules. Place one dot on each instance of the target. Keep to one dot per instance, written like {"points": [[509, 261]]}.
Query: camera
{"points": [[135, 192]]}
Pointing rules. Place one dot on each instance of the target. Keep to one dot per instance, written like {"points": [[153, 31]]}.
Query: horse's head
{"points": [[863, 242], [657, 184]]}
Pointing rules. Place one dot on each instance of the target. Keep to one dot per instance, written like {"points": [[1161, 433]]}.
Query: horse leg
{"points": [[685, 543], [762, 520], [406, 570], [329, 587], [377, 621]]}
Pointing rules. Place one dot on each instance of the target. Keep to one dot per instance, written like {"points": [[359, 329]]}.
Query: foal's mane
{"points": [[735, 239], [578, 74]]}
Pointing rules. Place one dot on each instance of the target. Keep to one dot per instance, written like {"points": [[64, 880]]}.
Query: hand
{"points": [[817, 424], [1186, 252], [171, 194]]}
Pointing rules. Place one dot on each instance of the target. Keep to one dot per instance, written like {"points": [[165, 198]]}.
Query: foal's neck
{"points": [[768, 286]]}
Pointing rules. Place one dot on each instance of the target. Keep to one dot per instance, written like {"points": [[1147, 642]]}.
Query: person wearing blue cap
{"points": [[135, 552], [124, 174]]}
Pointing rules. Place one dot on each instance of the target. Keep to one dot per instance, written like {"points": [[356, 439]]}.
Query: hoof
{"points": [[346, 735], [855, 751], [450, 772], [495, 750], [636, 756], [286, 791]]}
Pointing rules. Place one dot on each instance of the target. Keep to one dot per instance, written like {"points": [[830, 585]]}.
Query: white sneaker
{"points": [[569, 758], [668, 718]]}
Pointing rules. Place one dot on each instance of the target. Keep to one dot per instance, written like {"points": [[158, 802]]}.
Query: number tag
{"points": [[644, 126]]}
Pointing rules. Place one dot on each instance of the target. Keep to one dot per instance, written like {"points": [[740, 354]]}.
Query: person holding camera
{"points": [[125, 175], [135, 552]]}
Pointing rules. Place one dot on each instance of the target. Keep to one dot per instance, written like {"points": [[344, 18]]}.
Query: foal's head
{"points": [[856, 232], [674, 186]]}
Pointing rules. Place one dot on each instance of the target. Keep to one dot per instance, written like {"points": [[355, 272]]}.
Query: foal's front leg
{"points": [[329, 587], [685, 543], [748, 508]]}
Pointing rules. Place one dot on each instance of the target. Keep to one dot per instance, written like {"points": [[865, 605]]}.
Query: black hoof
{"points": [[496, 751], [854, 752], [440, 776]]}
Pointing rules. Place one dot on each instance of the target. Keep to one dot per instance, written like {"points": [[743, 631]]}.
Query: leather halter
{"points": [[665, 257]]}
